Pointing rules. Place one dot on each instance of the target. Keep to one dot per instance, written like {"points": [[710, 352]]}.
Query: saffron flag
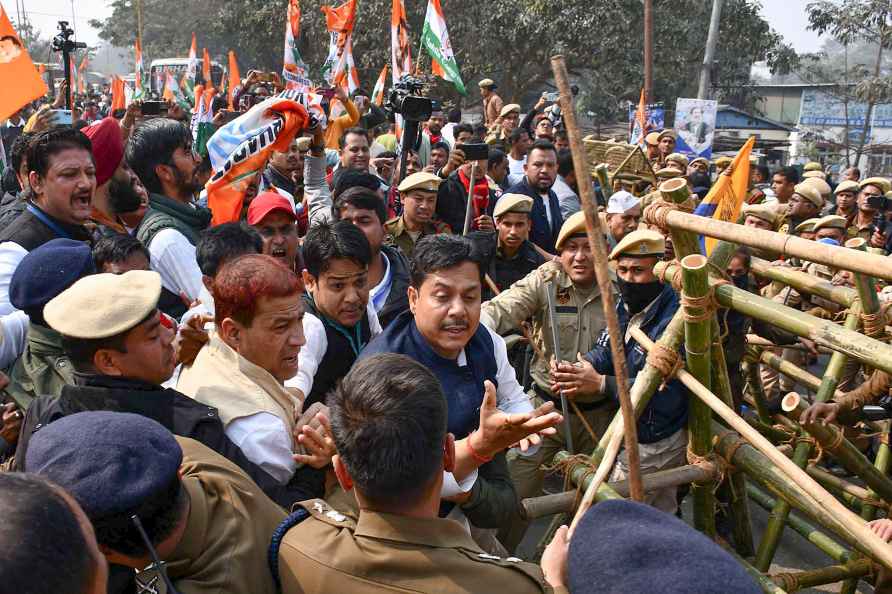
{"points": [[191, 67], [725, 200], [206, 69], [139, 91], [239, 151], [81, 76], [378, 91], [173, 92], [400, 52], [294, 69], [235, 79], [74, 84], [435, 39], [118, 101], [339, 69]]}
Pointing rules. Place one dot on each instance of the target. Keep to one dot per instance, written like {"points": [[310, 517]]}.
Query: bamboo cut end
{"points": [[857, 243], [694, 262], [672, 185], [675, 190], [790, 402]]}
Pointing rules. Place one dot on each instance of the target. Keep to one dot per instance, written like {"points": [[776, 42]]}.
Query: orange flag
{"points": [[206, 69], [118, 100], [235, 79]]}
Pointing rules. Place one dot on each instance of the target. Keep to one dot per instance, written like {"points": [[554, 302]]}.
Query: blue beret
{"points": [[47, 271], [109, 462], [623, 547]]}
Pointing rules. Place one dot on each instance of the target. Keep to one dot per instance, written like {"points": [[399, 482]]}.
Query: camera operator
{"points": [[871, 202]]}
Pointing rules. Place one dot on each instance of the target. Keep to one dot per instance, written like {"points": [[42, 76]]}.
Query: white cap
{"points": [[621, 201]]}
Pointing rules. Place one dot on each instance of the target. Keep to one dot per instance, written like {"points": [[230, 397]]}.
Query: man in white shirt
{"points": [[518, 144], [160, 153]]}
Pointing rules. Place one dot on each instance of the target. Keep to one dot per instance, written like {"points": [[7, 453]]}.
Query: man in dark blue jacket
{"points": [[649, 305], [540, 171]]}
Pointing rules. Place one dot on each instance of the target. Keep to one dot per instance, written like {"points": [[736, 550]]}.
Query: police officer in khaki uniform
{"points": [[862, 225], [389, 424], [846, 194], [580, 321], [418, 193], [516, 255]]}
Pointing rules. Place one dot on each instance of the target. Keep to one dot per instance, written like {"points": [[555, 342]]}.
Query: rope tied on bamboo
{"points": [[711, 463], [727, 458], [786, 581], [874, 325], [566, 466], [675, 281], [656, 212], [812, 443], [666, 361]]}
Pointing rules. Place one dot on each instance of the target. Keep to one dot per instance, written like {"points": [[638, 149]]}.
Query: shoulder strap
{"points": [[287, 524]]}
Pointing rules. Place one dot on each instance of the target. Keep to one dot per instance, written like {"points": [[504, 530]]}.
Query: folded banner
{"points": [[239, 151]]}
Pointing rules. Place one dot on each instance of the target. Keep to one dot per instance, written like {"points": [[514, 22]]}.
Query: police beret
{"points": [[814, 174], [110, 462], [821, 185], [812, 166], [638, 549], [420, 181], [806, 226], [678, 158], [509, 108], [574, 225], [513, 203], [831, 222], [847, 186], [810, 193], [621, 201], [487, 83], [881, 182], [653, 138], [103, 305], [761, 211], [642, 242], [47, 271]]}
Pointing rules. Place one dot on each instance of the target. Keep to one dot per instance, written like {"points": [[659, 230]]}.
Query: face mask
{"points": [[741, 281], [637, 296]]}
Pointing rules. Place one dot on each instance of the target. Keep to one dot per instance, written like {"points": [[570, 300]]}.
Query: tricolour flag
{"points": [[206, 69], [139, 91], [240, 149], [339, 69], [725, 200], [235, 79], [173, 92], [400, 52], [378, 91], [435, 39], [639, 127], [205, 127], [294, 69], [191, 67]]}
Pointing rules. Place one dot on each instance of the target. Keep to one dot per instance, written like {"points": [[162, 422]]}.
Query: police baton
{"points": [[556, 343]]}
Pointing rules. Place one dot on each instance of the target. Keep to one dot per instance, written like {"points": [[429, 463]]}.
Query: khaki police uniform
{"points": [[397, 232], [580, 319], [381, 552]]}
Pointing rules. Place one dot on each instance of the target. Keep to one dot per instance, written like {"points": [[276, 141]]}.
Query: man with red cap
{"points": [[111, 170], [272, 215]]}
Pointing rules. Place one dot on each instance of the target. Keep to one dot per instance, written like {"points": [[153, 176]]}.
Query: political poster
{"points": [[695, 125]]}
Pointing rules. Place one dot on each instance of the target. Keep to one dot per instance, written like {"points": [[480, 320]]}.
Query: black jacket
{"points": [[452, 202], [177, 412], [398, 298], [11, 206], [540, 233], [30, 232]]}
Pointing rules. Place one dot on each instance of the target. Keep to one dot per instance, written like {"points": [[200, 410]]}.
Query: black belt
{"points": [[584, 406]]}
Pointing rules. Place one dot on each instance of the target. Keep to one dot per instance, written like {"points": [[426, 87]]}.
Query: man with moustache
{"points": [[160, 153], [62, 177], [418, 193], [272, 216], [540, 172]]}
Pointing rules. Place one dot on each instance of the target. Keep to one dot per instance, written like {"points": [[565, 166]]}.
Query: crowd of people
{"points": [[352, 388]]}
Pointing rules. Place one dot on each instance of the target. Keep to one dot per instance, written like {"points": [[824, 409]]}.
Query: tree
{"points": [[39, 48], [849, 21]]}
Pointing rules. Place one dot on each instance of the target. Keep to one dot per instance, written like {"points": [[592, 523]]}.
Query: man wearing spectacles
{"points": [[160, 152]]}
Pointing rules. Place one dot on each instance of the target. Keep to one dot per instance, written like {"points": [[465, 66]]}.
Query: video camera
{"points": [[880, 411], [406, 100], [62, 42], [881, 204]]}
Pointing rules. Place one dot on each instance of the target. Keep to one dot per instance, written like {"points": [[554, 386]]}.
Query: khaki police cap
{"points": [[831, 222], [667, 132], [513, 203], [814, 174], [642, 242], [723, 161], [810, 193], [678, 158], [821, 185], [881, 182], [762, 212], [700, 160], [847, 186], [574, 225], [812, 166], [486, 82], [422, 180], [103, 305], [652, 139], [509, 108], [806, 226], [669, 173]]}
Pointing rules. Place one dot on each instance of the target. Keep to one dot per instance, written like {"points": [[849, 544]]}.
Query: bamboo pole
{"points": [[599, 252], [603, 175], [850, 525], [803, 527], [804, 282], [789, 245], [831, 481], [684, 242], [844, 340], [757, 392], [768, 586], [801, 580], [698, 341], [792, 371], [773, 530]]}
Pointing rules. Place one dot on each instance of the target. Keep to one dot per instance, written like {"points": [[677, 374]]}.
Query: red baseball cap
{"points": [[268, 202]]}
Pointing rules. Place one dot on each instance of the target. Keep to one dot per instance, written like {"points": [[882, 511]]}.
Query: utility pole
{"points": [[712, 40], [139, 20], [648, 51]]}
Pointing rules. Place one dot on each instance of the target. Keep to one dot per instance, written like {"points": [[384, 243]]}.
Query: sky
{"points": [[786, 16]]}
